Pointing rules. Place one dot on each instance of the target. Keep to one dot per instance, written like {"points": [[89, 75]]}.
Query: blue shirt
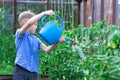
{"points": [[27, 47]]}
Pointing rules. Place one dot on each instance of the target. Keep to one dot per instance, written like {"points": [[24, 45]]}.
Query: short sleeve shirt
{"points": [[27, 47]]}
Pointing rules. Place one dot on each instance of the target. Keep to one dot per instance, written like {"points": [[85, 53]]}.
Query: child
{"points": [[27, 46]]}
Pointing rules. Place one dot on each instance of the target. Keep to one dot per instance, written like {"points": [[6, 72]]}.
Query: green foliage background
{"points": [[102, 60], [100, 45], [63, 63]]}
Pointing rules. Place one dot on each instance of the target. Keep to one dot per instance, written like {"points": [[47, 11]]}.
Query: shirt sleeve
{"points": [[17, 34], [39, 42]]}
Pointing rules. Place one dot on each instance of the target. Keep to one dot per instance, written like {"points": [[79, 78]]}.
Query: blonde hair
{"points": [[26, 15]]}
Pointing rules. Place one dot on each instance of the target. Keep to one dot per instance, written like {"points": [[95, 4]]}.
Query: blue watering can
{"points": [[51, 32]]}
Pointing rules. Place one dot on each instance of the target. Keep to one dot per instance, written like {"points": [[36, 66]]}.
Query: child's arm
{"points": [[50, 48], [34, 19]]}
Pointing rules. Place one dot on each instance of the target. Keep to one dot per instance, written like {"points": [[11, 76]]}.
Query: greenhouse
{"points": [[59, 39]]}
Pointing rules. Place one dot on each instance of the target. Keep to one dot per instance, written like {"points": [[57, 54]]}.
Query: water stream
{"points": [[79, 51]]}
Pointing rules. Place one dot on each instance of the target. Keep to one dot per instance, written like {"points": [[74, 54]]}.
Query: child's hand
{"points": [[62, 39], [74, 42], [50, 12]]}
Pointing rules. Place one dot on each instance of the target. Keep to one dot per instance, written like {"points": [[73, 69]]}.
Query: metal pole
{"points": [[114, 12], [84, 12], [102, 10], [15, 20], [92, 11], [48, 4], [79, 2], [79, 12]]}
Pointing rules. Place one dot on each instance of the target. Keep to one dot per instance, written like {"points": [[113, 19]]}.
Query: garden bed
{"points": [[5, 77], [9, 77], [44, 77]]}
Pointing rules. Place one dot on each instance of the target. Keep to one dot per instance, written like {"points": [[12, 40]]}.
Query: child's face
{"points": [[32, 28]]}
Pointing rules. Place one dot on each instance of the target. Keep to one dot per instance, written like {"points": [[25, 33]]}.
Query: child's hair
{"points": [[26, 15]]}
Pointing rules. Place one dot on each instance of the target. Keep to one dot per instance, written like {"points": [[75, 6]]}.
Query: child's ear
{"points": [[25, 21]]}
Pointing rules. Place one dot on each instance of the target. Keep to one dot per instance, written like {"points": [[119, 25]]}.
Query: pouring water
{"points": [[79, 51], [77, 48]]}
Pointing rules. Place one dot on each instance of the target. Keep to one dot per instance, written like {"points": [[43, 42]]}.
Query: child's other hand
{"points": [[62, 40], [50, 12]]}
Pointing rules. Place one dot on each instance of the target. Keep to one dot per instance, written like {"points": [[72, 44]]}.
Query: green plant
{"points": [[7, 53], [101, 63]]}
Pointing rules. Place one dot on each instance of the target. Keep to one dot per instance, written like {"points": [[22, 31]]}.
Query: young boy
{"points": [[27, 46]]}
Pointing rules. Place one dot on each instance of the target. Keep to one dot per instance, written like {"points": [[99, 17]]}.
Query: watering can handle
{"points": [[58, 17]]}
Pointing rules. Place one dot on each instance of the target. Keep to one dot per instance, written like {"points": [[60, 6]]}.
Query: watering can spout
{"points": [[71, 40]]}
